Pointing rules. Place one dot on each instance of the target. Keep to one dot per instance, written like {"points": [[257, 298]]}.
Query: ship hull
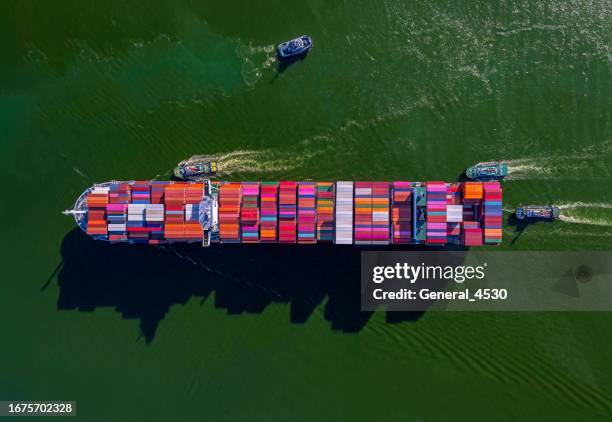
{"points": [[342, 213]]}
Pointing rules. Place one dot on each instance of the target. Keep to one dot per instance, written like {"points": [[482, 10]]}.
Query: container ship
{"points": [[289, 212]]}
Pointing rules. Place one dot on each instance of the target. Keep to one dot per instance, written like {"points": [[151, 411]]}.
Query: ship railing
{"points": [[79, 210]]}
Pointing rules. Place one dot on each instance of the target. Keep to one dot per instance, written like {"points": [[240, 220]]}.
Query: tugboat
{"points": [[494, 170], [538, 212], [189, 171], [294, 47]]}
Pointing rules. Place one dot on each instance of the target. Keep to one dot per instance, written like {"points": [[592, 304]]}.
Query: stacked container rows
{"points": [[269, 210], [181, 202], [325, 212], [154, 214], [492, 213], [401, 212], [436, 213], [344, 213], [454, 213], [363, 213], [97, 200], [192, 227], [306, 212], [136, 228], [287, 212], [174, 196], [471, 234], [249, 214], [229, 212], [380, 213], [119, 196]]}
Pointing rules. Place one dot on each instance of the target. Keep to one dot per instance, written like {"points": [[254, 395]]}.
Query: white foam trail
{"points": [[254, 60], [586, 163], [577, 220], [581, 233], [579, 204], [532, 28], [255, 161], [546, 167], [252, 162], [565, 217], [528, 168], [524, 168]]}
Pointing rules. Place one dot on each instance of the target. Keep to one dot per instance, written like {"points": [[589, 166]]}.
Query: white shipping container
{"points": [[155, 218], [154, 207], [454, 213], [136, 212], [101, 189], [380, 216], [117, 227], [344, 213]]}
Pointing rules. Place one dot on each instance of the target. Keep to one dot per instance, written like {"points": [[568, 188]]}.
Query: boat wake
{"points": [[525, 169], [600, 213], [254, 161], [579, 204], [575, 213], [551, 168], [586, 164], [588, 221], [255, 60]]}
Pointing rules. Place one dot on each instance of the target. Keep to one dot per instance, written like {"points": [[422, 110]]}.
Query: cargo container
{"points": [[287, 212], [306, 212], [325, 212], [345, 212], [268, 212]]}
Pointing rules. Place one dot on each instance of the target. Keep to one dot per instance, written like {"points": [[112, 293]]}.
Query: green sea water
{"points": [[392, 90]]}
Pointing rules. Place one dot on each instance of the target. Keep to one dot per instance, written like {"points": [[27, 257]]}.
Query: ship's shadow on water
{"points": [[521, 225], [144, 282], [285, 63]]}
